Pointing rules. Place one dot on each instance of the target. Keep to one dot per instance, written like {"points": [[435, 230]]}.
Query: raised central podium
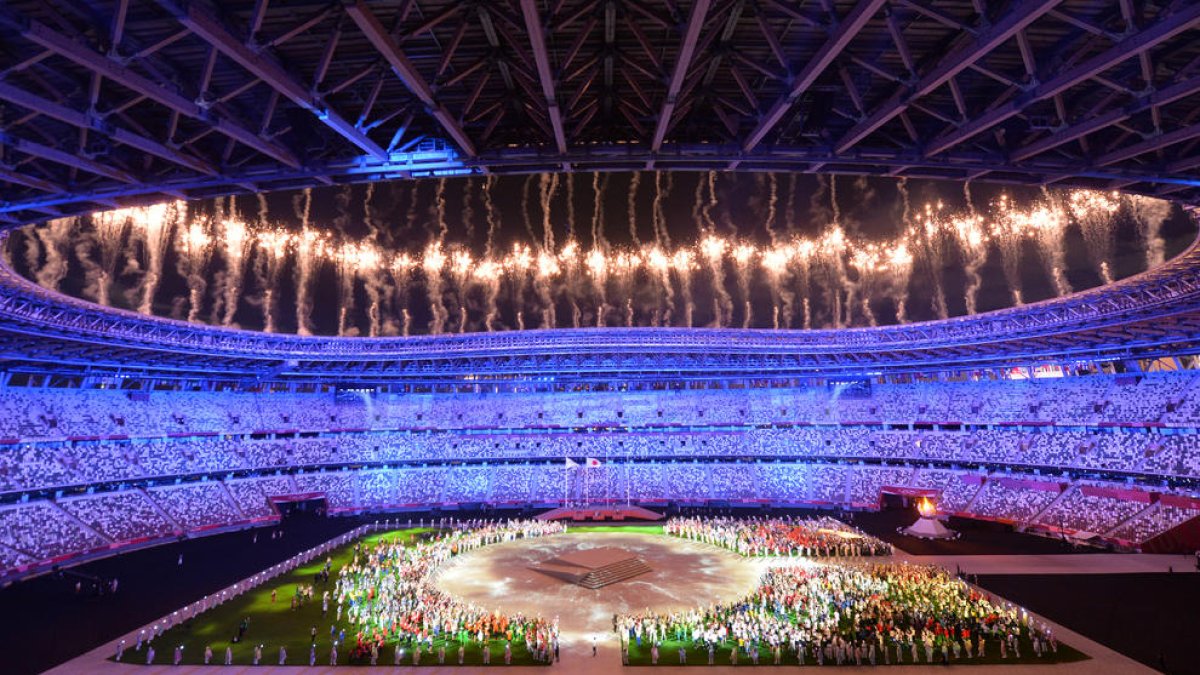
{"points": [[594, 567]]}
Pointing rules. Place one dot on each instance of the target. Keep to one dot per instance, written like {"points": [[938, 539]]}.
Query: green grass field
{"points": [[668, 655], [275, 624]]}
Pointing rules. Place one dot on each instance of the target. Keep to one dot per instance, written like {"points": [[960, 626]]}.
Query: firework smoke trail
{"points": [[549, 185], [713, 249], [273, 245], [597, 267], [569, 258], [1048, 224], [816, 204], [410, 216], [599, 188], [544, 273], [235, 248], [930, 237], [432, 263], [775, 261], [709, 223], [1094, 212], [830, 249], [493, 217], [1009, 238], [863, 261], [468, 213], [833, 248], [972, 243], [547, 266], [698, 205], [570, 178], [307, 212], [804, 254], [660, 264], [519, 263], [489, 274], [899, 286], [371, 269], [401, 267], [460, 270], [344, 266], [772, 206], [742, 255], [195, 249], [905, 202], [900, 268], [789, 214], [155, 232], [54, 237], [1149, 214], [595, 261], [108, 233], [525, 190], [634, 181], [310, 248], [662, 240], [656, 210], [439, 201], [682, 263], [833, 200]]}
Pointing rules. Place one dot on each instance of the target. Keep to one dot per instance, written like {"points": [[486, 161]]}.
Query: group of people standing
{"points": [[841, 614], [787, 536], [387, 593]]}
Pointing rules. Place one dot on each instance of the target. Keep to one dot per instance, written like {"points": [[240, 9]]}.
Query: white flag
{"points": [[571, 464]]}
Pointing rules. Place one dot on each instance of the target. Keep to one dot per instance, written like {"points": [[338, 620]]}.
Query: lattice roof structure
{"points": [[112, 102]]}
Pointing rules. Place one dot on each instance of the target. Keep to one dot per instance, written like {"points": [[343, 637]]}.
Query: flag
{"points": [[571, 464], [592, 462]]}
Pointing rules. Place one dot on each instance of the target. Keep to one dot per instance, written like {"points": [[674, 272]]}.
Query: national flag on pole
{"points": [[571, 464], [592, 462]]}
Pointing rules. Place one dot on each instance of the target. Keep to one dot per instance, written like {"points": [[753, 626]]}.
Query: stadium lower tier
{"points": [[39, 534]]}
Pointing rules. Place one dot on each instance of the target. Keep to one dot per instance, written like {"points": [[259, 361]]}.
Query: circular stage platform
{"points": [[512, 577]]}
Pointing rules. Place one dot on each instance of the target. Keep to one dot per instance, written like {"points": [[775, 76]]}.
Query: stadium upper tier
{"points": [[1133, 427], [1150, 314]]}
